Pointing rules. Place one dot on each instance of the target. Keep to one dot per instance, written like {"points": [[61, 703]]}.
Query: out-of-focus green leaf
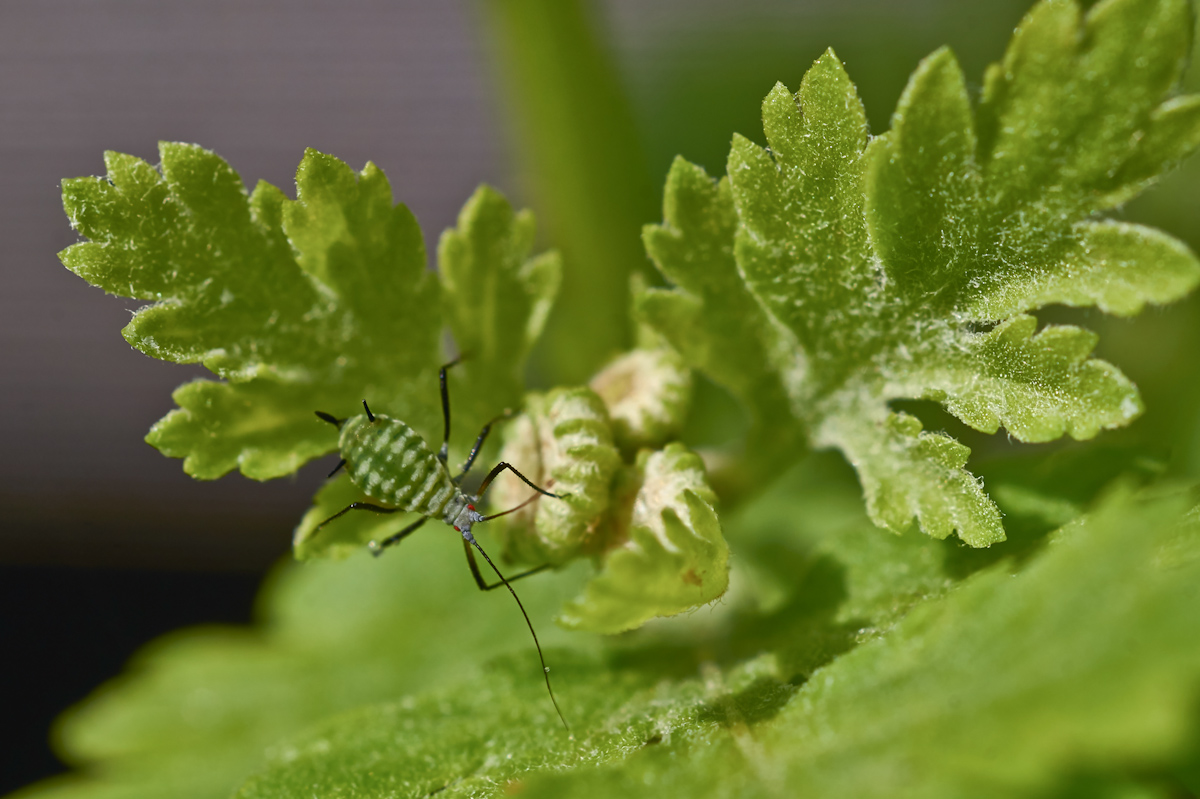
{"points": [[1008, 684], [198, 709]]}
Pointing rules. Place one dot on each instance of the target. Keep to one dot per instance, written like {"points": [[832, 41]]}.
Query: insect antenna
{"points": [[329, 417], [367, 408], [545, 668]]}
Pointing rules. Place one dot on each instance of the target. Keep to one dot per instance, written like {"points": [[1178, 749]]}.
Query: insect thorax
{"points": [[392, 464]]}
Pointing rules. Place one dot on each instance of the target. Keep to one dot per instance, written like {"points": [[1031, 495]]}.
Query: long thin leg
{"points": [[483, 434], [545, 668], [355, 506], [444, 452], [501, 466], [377, 549], [482, 583]]}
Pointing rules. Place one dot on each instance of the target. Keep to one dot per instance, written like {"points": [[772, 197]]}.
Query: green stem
{"points": [[577, 146]]}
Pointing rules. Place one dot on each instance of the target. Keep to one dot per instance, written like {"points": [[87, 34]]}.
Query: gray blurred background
{"points": [[103, 541]]}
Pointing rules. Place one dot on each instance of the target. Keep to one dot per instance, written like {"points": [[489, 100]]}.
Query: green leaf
{"points": [[305, 305], [712, 319], [199, 708], [903, 267], [301, 305], [351, 532], [1038, 674], [496, 297]]}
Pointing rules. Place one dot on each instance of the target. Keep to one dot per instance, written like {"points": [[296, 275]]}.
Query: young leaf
{"points": [[301, 305], [902, 267], [496, 298], [563, 442], [711, 318], [647, 391]]}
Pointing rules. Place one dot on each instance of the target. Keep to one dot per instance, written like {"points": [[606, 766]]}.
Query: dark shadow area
{"points": [[65, 630], [761, 701], [801, 631]]}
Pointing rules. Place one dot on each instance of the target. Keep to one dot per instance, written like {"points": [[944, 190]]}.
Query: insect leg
{"points": [[501, 466], [444, 452], [377, 549], [483, 434], [545, 668], [482, 583], [355, 506], [337, 468]]}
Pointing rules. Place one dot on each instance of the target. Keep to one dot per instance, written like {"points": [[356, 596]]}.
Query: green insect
{"points": [[392, 464]]}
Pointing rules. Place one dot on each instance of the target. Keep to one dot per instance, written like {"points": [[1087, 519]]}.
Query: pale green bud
{"points": [[647, 392], [563, 443], [671, 557]]}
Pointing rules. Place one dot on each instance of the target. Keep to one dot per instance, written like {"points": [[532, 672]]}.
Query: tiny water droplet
{"points": [[546, 669]]}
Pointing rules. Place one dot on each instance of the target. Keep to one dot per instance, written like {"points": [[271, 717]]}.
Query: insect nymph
{"points": [[390, 463]]}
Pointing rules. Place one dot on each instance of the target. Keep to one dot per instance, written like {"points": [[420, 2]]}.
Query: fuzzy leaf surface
{"points": [[904, 266], [299, 305], [307, 304], [712, 319], [1047, 667]]}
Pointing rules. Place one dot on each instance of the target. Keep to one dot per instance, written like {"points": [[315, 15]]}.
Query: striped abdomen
{"points": [[392, 464]]}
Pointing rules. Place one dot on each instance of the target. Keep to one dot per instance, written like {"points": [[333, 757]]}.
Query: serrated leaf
{"points": [[305, 305], [711, 318], [902, 267], [350, 312], [496, 296]]}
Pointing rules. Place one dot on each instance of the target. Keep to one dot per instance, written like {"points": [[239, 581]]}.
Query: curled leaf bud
{"points": [[673, 556], [647, 392], [562, 442]]}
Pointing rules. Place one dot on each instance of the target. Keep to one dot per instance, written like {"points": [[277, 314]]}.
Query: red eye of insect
{"points": [[456, 529], [470, 507]]}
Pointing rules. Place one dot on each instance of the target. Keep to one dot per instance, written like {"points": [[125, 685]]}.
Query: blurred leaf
{"points": [[1009, 684], [496, 298]]}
